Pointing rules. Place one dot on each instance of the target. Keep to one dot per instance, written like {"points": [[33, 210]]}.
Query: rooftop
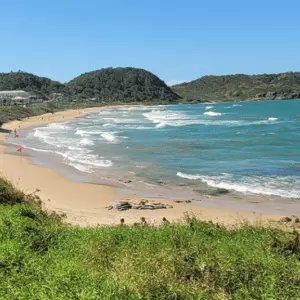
{"points": [[12, 92]]}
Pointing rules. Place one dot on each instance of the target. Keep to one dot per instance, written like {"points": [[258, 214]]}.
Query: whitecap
{"points": [[87, 133], [258, 185], [86, 141], [209, 107], [81, 132], [36, 149], [272, 119], [108, 136], [86, 159], [160, 125], [212, 113], [188, 176], [58, 126], [80, 167]]}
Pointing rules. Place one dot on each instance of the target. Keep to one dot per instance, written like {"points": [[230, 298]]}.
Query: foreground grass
{"points": [[43, 258]]}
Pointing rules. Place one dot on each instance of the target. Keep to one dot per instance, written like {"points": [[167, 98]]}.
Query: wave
{"points": [[188, 176], [158, 116], [81, 168], [272, 119], [212, 113], [40, 133], [209, 107], [108, 136], [58, 126], [87, 133], [236, 105], [86, 141], [279, 186], [160, 125], [36, 149], [81, 133], [91, 160]]}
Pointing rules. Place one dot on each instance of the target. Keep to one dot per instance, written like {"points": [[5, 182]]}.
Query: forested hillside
{"points": [[122, 84], [40, 86], [241, 87]]}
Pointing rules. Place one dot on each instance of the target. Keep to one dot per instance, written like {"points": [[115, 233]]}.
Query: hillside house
{"points": [[18, 97]]}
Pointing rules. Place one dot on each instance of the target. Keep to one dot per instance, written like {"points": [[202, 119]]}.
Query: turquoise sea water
{"points": [[249, 147]]}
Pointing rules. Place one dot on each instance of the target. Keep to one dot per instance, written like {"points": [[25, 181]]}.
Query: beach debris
{"points": [[123, 205], [122, 222]]}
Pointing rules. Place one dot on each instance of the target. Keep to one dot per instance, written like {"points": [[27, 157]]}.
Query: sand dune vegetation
{"points": [[42, 257]]}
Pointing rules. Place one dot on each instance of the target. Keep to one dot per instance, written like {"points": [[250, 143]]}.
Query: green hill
{"points": [[241, 87], [40, 86], [122, 84]]}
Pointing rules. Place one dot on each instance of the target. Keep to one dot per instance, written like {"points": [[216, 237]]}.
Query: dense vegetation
{"points": [[43, 258], [125, 84], [111, 85], [40, 86], [106, 86], [10, 113], [241, 87]]}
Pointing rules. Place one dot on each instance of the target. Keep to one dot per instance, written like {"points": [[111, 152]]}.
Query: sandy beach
{"points": [[85, 204]]}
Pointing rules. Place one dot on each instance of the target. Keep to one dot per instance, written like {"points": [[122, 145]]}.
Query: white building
{"points": [[18, 97]]}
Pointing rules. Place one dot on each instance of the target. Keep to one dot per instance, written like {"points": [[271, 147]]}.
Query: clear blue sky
{"points": [[176, 40]]}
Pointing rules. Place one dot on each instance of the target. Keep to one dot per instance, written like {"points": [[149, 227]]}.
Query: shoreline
{"points": [[84, 203]]}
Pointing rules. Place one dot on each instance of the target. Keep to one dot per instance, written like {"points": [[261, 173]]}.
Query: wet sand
{"points": [[85, 203]]}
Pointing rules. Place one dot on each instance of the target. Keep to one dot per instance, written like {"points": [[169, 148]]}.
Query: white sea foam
{"points": [[188, 176], [166, 117], [237, 105], [87, 159], [87, 132], [58, 126], [272, 119], [36, 149], [160, 125], [81, 132], [209, 107], [81, 167], [108, 136], [40, 133], [249, 184], [86, 141], [212, 113]]}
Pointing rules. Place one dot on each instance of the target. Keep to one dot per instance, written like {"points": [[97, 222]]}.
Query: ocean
{"points": [[243, 147]]}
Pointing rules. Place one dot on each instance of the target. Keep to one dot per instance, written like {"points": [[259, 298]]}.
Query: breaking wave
{"points": [[212, 113], [277, 186]]}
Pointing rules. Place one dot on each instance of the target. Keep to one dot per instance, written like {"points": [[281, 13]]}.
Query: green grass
{"points": [[43, 258]]}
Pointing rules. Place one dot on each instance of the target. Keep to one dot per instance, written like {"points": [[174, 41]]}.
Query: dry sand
{"points": [[84, 203]]}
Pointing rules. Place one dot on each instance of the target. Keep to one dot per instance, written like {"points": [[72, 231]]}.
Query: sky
{"points": [[176, 40]]}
